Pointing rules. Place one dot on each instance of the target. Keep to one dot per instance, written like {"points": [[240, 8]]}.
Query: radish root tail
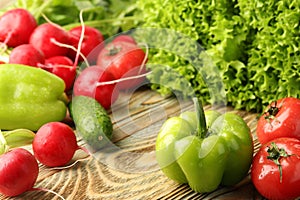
{"points": [[47, 190]]}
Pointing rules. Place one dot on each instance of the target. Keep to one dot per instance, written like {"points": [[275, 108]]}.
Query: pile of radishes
{"points": [[50, 47], [44, 45], [54, 145], [116, 66]]}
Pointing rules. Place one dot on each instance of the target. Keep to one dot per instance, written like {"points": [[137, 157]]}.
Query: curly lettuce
{"points": [[273, 63], [253, 43]]}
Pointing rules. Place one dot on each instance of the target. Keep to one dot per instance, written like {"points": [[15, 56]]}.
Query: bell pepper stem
{"points": [[201, 125]]}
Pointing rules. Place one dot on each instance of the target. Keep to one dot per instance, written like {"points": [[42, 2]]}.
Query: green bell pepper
{"points": [[30, 97], [205, 150]]}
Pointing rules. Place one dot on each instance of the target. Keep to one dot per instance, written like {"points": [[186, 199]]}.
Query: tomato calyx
{"points": [[272, 111], [113, 50], [275, 154]]}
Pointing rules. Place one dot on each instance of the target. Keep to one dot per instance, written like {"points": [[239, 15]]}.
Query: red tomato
{"points": [[65, 72], [124, 38], [62, 60], [123, 59], [280, 120], [86, 85], [275, 170]]}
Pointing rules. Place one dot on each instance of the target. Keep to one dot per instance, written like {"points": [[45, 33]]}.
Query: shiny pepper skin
{"points": [[205, 152], [29, 97]]}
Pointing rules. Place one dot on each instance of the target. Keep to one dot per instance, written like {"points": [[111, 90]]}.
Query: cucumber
{"points": [[91, 121]]}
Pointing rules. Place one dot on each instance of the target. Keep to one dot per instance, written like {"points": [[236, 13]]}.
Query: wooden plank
{"points": [[129, 170]]}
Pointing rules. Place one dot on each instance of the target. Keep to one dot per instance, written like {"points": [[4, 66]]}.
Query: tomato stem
{"points": [[275, 154], [114, 50], [201, 125], [272, 111]]}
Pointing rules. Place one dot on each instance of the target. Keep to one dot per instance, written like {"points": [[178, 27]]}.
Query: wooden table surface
{"points": [[130, 170]]}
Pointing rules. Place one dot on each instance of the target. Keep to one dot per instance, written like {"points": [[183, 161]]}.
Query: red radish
{"points": [[62, 67], [47, 38], [124, 38], [16, 26], [62, 60], [92, 38], [65, 72], [86, 85], [26, 54], [54, 144], [18, 172]]}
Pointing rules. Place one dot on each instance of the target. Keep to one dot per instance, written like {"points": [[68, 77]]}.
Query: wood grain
{"points": [[128, 170]]}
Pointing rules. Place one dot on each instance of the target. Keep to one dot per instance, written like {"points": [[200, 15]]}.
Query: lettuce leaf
{"points": [[254, 44]]}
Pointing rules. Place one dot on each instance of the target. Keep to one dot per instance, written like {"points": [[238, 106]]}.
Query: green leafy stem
{"points": [[15, 138]]}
